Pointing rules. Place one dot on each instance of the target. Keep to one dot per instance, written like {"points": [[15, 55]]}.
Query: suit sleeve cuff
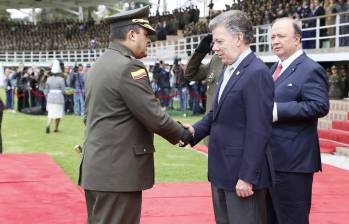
{"points": [[275, 113]]}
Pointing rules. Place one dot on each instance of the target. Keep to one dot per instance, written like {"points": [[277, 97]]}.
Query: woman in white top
{"points": [[54, 89]]}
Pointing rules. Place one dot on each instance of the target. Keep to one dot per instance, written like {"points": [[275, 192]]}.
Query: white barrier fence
{"points": [[326, 34]]}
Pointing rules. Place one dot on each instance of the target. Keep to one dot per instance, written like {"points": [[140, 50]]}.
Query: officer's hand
{"points": [[189, 128], [205, 45], [187, 136]]}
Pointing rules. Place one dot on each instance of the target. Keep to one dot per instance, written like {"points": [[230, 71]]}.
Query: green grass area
{"points": [[25, 134]]}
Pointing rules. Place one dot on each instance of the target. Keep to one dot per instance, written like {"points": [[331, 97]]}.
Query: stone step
{"points": [[339, 105], [337, 115], [342, 151], [324, 123]]}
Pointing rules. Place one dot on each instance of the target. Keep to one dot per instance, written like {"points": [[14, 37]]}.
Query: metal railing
{"points": [[324, 32]]}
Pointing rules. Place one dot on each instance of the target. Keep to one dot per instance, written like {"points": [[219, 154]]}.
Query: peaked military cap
{"points": [[131, 17]]}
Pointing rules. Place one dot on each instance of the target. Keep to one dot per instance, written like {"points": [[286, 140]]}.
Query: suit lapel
{"points": [[273, 68], [238, 73], [290, 70], [215, 97]]}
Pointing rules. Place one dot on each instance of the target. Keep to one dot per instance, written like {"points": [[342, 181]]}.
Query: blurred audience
{"points": [[70, 35]]}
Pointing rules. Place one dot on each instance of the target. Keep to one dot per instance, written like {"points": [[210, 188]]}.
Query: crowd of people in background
{"points": [[27, 84], [72, 35], [170, 22], [168, 83], [69, 35], [26, 87], [170, 86], [265, 11], [63, 35]]}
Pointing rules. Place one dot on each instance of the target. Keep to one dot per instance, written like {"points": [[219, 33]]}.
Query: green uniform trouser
{"points": [[113, 207]]}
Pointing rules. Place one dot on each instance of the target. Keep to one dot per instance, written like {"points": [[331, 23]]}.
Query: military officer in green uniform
{"points": [[335, 84], [196, 71], [122, 115]]}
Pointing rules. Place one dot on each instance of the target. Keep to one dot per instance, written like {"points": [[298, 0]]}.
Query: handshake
{"points": [[187, 136]]}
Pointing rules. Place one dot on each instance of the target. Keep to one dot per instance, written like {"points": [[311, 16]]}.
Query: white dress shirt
{"points": [[285, 64], [229, 70]]}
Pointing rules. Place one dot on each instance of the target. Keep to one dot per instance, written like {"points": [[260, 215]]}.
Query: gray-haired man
{"points": [[239, 125]]}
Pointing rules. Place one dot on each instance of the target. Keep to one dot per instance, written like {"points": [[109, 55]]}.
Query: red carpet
{"points": [[177, 203], [35, 190], [201, 148], [330, 197]]}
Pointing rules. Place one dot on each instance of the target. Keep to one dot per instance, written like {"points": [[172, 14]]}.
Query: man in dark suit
{"points": [[239, 125], [122, 115], [301, 97]]}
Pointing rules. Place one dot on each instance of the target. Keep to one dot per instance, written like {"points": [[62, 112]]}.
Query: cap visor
{"points": [[149, 28]]}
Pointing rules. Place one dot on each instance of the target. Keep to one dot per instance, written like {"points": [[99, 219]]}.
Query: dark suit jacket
{"points": [[301, 95], [240, 127]]}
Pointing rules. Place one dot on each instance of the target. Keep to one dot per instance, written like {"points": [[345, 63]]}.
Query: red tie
{"points": [[277, 72]]}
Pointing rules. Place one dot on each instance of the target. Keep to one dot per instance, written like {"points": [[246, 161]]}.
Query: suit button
{"points": [[144, 150]]}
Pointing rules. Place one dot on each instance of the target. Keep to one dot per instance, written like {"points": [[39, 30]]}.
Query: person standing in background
{"points": [[196, 71], [9, 88], [77, 82], [335, 84], [54, 89], [2, 108], [344, 77], [181, 84]]}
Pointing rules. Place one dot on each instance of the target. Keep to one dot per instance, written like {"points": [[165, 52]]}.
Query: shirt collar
{"points": [[241, 58], [121, 48], [289, 60]]}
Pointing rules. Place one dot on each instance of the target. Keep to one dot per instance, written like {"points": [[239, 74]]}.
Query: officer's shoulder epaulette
{"points": [[137, 70]]}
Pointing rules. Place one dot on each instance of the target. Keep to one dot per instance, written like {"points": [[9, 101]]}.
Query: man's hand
{"points": [[189, 128], [205, 45], [187, 135], [243, 189]]}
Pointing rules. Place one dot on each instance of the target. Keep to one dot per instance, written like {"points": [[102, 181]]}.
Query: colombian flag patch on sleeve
{"points": [[141, 73]]}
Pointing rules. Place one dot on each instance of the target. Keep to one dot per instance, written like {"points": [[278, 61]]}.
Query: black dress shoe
{"points": [[55, 130], [47, 130]]}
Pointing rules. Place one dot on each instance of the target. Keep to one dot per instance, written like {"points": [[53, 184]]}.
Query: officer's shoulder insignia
{"points": [[211, 77], [139, 74]]}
